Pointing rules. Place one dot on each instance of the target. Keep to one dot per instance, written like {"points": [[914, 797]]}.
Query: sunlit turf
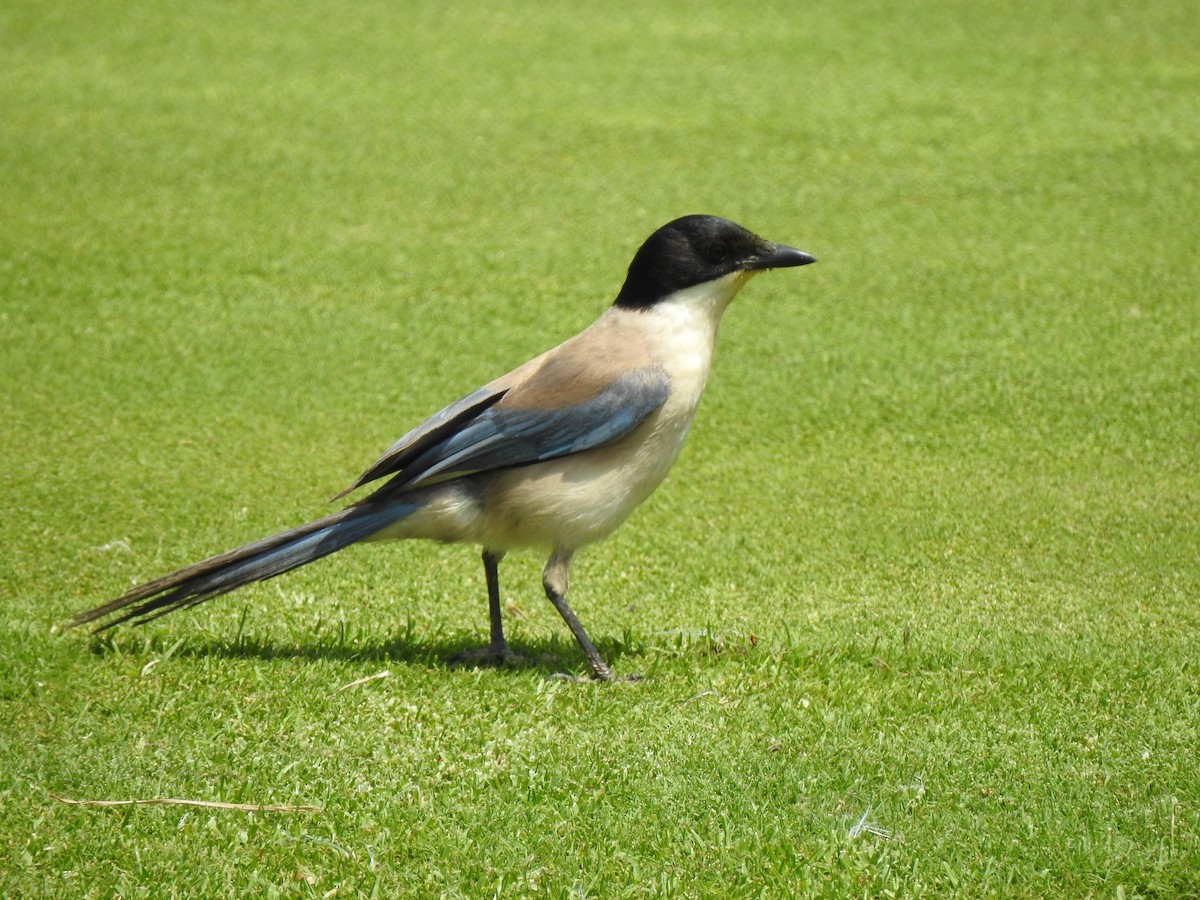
{"points": [[917, 609]]}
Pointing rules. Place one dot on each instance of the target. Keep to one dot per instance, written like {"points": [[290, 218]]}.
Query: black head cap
{"points": [[696, 249]]}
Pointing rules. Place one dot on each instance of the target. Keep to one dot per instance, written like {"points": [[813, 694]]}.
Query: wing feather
{"points": [[490, 429], [434, 430]]}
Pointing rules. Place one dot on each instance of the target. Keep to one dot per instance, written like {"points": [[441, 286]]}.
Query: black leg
{"points": [[491, 571], [497, 649], [556, 580]]}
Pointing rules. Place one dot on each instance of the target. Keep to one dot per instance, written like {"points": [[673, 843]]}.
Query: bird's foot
{"points": [[607, 676], [491, 655]]}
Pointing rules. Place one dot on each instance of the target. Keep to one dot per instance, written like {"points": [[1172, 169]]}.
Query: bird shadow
{"points": [[545, 656]]}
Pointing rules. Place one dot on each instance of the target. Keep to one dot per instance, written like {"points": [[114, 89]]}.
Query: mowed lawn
{"points": [[918, 608]]}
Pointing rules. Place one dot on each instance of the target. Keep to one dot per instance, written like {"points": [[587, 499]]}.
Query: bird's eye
{"points": [[717, 253]]}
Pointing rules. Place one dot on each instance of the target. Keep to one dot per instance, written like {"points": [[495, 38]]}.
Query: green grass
{"points": [[920, 605]]}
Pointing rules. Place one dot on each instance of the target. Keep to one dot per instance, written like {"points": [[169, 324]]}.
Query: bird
{"points": [[554, 455]]}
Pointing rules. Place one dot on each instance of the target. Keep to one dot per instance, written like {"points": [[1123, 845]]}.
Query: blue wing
{"points": [[489, 429], [429, 434]]}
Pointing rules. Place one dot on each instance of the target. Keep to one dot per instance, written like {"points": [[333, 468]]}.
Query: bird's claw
{"points": [[607, 677], [491, 655]]}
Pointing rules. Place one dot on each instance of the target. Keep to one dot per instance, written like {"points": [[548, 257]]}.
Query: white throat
{"points": [[708, 300]]}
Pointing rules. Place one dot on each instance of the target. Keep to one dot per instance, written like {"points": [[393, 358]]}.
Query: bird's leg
{"points": [[556, 580], [497, 650], [491, 571]]}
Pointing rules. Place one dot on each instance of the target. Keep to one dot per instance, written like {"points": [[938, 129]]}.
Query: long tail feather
{"points": [[258, 561]]}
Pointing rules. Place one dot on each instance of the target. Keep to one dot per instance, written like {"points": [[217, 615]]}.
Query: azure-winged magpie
{"points": [[555, 454]]}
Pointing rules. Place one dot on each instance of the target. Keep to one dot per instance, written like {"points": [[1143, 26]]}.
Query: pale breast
{"points": [[582, 498]]}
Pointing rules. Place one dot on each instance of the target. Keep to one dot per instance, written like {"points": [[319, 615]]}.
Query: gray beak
{"points": [[777, 256]]}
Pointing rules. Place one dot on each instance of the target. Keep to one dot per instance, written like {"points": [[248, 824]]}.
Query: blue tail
{"points": [[258, 561]]}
